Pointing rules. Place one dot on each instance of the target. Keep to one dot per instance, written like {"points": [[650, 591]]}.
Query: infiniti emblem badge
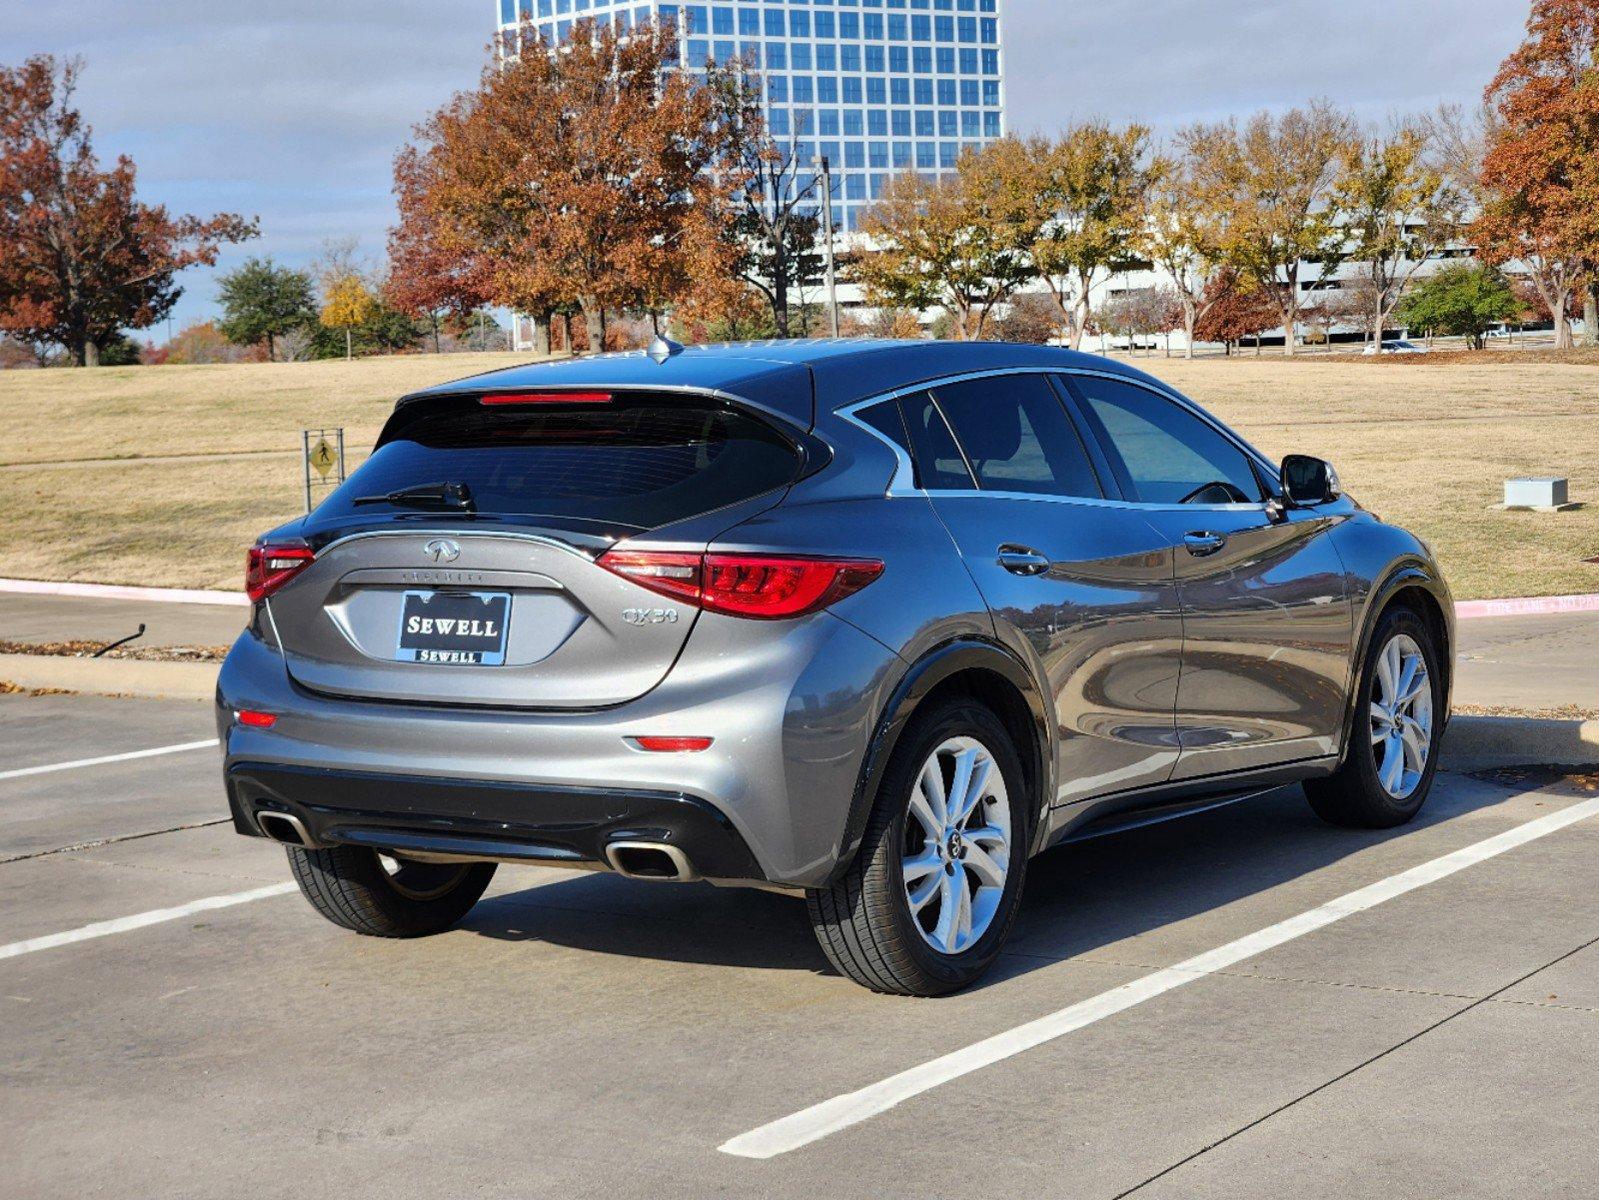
{"points": [[442, 550]]}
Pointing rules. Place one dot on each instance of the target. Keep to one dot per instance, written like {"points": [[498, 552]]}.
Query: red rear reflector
{"points": [[546, 398], [268, 567], [672, 745], [255, 719], [762, 586]]}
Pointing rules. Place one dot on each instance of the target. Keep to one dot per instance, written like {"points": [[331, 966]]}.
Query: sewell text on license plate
{"points": [[459, 628]]}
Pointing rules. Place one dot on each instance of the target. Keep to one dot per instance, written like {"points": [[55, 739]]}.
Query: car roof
{"points": [[793, 378]]}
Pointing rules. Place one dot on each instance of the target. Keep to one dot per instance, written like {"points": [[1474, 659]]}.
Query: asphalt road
{"points": [[582, 1034]]}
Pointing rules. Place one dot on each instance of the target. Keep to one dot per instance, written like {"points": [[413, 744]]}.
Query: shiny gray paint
{"points": [[1156, 674]]}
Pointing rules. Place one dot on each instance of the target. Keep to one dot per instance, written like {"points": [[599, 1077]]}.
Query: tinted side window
{"points": [[939, 465], [886, 419], [1017, 437], [1170, 456]]}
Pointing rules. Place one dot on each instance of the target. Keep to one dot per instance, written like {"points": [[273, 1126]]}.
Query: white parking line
{"points": [[831, 1116], [155, 916], [107, 758]]}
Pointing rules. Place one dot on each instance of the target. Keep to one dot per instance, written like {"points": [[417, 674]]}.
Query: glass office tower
{"points": [[877, 86]]}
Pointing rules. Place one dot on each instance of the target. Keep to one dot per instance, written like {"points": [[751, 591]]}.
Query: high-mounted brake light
{"points": [[762, 586], [271, 565], [545, 398]]}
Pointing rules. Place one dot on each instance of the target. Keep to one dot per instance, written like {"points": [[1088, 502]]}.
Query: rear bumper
{"points": [[482, 818], [789, 711]]}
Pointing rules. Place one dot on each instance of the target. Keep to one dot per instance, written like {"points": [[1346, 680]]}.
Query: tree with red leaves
{"points": [[1541, 170], [430, 276], [1232, 314], [81, 258]]}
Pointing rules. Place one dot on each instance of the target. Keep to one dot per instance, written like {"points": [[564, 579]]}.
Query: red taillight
{"points": [[675, 575], [763, 586], [255, 719], [545, 398], [672, 745], [270, 566]]}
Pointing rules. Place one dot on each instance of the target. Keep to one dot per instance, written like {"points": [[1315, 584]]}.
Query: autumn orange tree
{"points": [[959, 241], [579, 174], [432, 275], [81, 257], [1181, 235], [1398, 214], [1541, 169], [1087, 189], [1270, 182]]}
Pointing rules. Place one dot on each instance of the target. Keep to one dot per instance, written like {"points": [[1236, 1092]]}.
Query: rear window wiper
{"points": [[454, 496]]}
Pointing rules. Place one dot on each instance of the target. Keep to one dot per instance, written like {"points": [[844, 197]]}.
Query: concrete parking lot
{"points": [[583, 1034]]}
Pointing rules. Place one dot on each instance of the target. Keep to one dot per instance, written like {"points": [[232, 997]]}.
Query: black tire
{"points": [[864, 921], [350, 886], [1355, 797]]}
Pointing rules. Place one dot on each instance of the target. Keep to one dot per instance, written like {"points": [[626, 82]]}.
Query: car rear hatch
{"points": [[458, 564]]}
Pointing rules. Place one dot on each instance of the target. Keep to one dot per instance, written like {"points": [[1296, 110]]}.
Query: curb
{"points": [[1531, 606], [1473, 742], [111, 676], [107, 591]]}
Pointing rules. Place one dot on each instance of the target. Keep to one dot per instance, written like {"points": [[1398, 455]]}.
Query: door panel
{"points": [[1101, 620], [1267, 639], [1266, 614], [1081, 588]]}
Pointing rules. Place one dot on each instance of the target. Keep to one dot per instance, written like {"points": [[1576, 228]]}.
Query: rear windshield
{"points": [[643, 462]]}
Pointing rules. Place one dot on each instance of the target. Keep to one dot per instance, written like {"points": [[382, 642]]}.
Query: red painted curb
{"points": [[1532, 606]]}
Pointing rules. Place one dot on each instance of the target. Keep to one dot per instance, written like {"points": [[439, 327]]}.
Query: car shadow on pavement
{"points": [[1080, 897]]}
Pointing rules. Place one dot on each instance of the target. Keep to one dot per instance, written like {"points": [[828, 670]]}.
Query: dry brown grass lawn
{"points": [[1424, 443], [1429, 445]]}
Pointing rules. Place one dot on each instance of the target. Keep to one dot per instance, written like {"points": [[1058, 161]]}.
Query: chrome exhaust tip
{"points": [[655, 862], [285, 828]]}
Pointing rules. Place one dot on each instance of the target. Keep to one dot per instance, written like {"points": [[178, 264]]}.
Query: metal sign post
{"points": [[321, 460]]}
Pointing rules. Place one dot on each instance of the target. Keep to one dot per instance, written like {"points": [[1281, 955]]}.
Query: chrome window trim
{"points": [[903, 483]]}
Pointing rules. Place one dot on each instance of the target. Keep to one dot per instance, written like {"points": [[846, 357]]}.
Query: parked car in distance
{"points": [[1396, 347], [874, 623]]}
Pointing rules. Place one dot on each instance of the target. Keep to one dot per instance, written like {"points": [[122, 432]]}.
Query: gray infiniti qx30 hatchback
{"points": [[873, 622]]}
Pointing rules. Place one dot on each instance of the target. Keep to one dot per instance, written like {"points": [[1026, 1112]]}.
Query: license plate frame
{"points": [[484, 620]]}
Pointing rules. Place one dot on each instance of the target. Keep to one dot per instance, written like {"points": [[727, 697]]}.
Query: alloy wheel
{"points": [[1401, 716], [957, 848]]}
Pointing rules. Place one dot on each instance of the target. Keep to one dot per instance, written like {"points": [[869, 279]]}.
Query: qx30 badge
{"points": [[442, 550]]}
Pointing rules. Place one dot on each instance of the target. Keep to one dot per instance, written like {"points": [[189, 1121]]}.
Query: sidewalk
{"points": [[1543, 662]]}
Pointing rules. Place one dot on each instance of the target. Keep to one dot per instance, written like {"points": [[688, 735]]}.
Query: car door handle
{"points": [[1023, 560], [1203, 543]]}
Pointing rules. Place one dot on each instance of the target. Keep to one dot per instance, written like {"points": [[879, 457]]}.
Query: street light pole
{"points": [[827, 238]]}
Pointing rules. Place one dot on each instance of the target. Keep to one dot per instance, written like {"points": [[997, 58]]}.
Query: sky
{"points": [[292, 110]]}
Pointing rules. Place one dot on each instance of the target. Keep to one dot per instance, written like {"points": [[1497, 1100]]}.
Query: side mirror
{"points": [[1309, 481]]}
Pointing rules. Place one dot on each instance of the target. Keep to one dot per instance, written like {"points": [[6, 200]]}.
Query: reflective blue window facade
{"points": [[929, 72]]}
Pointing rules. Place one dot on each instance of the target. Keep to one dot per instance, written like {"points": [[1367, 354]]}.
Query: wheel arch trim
{"points": [[1402, 576], [940, 664]]}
